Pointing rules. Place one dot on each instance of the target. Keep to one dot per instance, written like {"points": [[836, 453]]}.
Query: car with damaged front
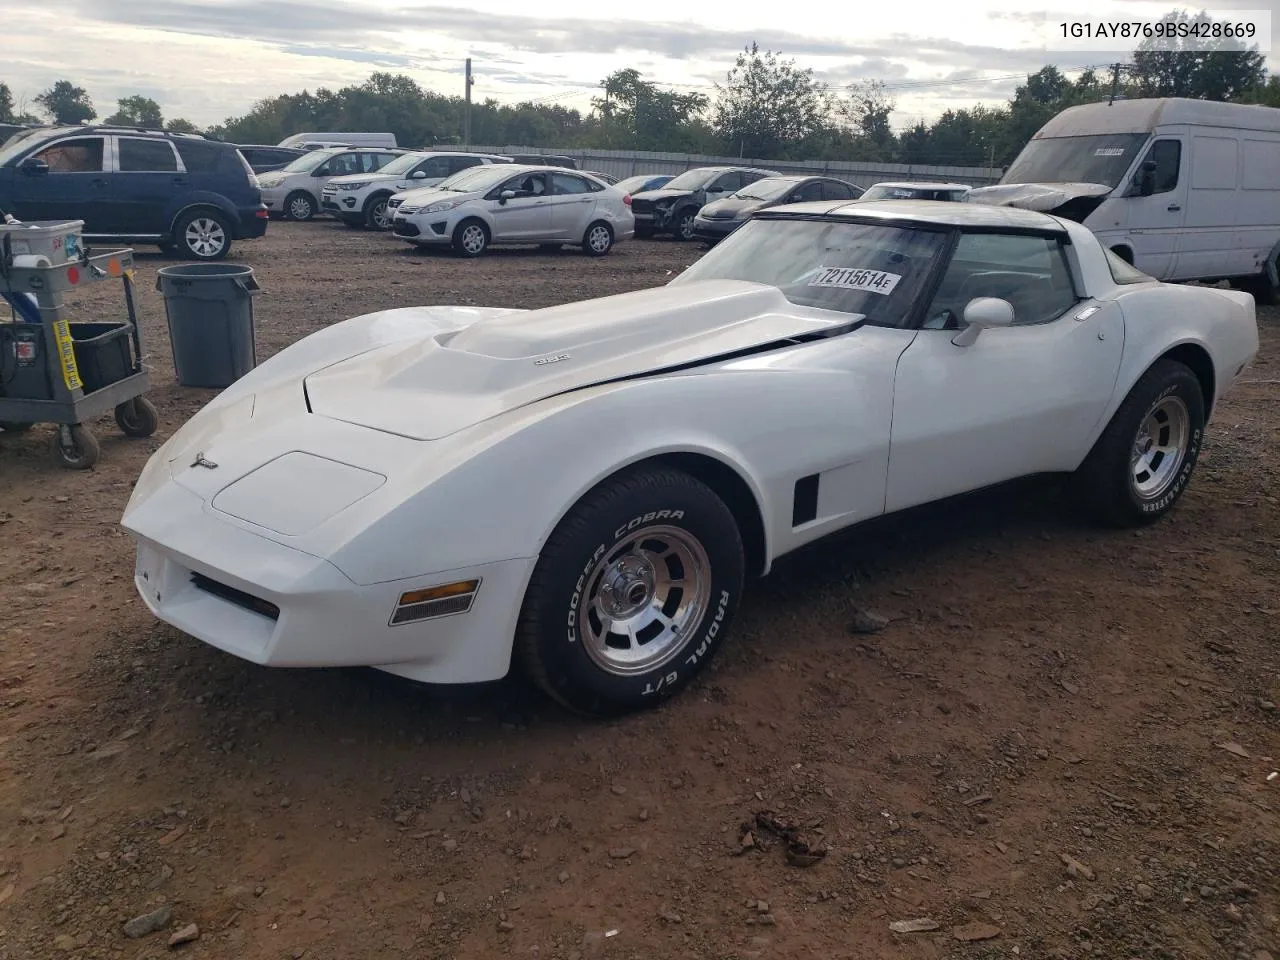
{"points": [[673, 207], [584, 490]]}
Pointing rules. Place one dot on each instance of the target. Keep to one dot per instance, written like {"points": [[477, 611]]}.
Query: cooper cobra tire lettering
{"points": [[650, 517]]}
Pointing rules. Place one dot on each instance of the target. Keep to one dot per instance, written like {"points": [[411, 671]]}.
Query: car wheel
{"points": [[471, 238], [203, 235], [137, 417], [632, 594], [377, 215], [1264, 291], [1142, 463], [684, 225], [299, 206], [598, 240]]}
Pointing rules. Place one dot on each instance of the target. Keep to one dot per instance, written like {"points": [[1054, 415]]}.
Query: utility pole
{"points": [[466, 122], [1116, 70]]}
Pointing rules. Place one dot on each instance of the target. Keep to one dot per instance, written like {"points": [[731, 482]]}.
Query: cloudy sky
{"points": [[207, 60]]}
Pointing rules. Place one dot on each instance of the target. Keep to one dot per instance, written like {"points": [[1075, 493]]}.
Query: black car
{"points": [[674, 207], [719, 218], [179, 191], [544, 160], [264, 157]]}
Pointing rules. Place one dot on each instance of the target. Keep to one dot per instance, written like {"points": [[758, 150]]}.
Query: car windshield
{"points": [[19, 142], [309, 161], [871, 270], [694, 179], [402, 164], [634, 184], [476, 179], [1094, 159], [883, 191], [770, 188]]}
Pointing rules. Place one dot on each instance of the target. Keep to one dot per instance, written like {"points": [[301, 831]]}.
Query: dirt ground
{"points": [[1059, 747]]}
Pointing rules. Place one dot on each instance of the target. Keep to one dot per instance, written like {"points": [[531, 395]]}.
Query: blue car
{"points": [[186, 194], [643, 182]]}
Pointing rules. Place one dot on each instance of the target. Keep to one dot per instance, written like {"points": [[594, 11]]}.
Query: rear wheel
{"points": [[598, 240], [203, 235], [1141, 465], [632, 594], [471, 238]]}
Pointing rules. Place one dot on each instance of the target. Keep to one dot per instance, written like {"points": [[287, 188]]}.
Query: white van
{"points": [[319, 141], [1182, 189]]}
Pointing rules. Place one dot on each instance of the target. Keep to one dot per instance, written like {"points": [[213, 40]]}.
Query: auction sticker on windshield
{"points": [[853, 278]]}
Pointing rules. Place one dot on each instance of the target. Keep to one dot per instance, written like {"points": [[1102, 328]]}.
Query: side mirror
{"points": [[34, 166], [419, 175], [506, 195], [980, 313], [1148, 166]]}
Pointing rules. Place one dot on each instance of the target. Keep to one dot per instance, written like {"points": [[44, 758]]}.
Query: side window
{"points": [[809, 191], [727, 182], [1167, 157], [835, 190], [462, 163], [201, 156], [344, 164], [82, 155], [373, 162], [435, 168], [1030, 272], [137, 155], [564, 183], [528, 185]]}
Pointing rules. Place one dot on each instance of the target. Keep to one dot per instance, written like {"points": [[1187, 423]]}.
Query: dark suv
{"points": [[264, 158], [672, 208], [181, 192]]}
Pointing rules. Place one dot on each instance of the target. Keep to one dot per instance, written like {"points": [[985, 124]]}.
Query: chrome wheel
{"points": [[301, 208], [380, 216], [686, 227], [473, 239], [1160, 447], [643, 599], [599, 239], [205, 237]]}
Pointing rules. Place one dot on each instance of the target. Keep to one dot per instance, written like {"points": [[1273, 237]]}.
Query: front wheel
{"points": [[471, 238], [632, 594], [203, 235], [377, 215], [684, 225], [299, 206], [1141, 465]]}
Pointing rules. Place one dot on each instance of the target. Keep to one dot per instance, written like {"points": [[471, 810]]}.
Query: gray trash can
{"points": [[210, 312]]}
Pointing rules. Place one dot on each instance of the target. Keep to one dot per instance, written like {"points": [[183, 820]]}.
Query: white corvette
{"points": [[439, 492]]}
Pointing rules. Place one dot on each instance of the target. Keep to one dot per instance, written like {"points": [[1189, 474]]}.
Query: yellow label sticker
{"points": [[67, 355]]}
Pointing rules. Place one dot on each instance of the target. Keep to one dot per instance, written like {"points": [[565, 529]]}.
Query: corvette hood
{"points": [[443, 382], [1043, 197]]}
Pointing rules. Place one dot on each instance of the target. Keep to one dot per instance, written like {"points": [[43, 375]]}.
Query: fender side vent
{"points": [[805, 505]]}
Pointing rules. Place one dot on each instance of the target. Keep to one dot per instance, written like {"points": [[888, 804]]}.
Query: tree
{"points": [[1267, 95], [767, 107], [178, 125], [136, 111], [1226, 70], [64, 102], [866, 109], [634, 113], [6, 104]]}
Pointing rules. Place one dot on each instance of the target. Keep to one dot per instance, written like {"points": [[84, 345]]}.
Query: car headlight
{"points": [[360, 185], [440, 207]]}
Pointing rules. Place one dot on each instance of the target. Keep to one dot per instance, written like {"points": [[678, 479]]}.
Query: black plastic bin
{"points": [[104, 353], [209, 307]]}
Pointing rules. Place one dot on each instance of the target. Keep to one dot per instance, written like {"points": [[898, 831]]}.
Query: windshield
{"points": [[402, 164], [867, 269], [476, 179], [19, 142], [308, 162], [694, 179], [770, 188], [1095, 159], [636, 184]]}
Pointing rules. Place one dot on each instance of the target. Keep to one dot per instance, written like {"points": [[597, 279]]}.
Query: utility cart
{"points": [[58, 372]]}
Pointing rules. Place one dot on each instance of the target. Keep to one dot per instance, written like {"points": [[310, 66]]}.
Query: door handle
{"points": [[1173, 206]]}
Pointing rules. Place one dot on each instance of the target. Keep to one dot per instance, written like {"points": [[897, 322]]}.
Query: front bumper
{"points": [[713, 230], [653, 220], [424, 228], [276, 606], [341, 203], [273, 198]]}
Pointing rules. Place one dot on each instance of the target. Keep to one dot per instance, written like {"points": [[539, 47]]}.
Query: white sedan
{"points": [[439, 492], [550, 206]]}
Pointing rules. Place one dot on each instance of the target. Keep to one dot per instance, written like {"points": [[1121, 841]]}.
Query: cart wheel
{"points": [[15, 426], [137, 417], [74, 447]]}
